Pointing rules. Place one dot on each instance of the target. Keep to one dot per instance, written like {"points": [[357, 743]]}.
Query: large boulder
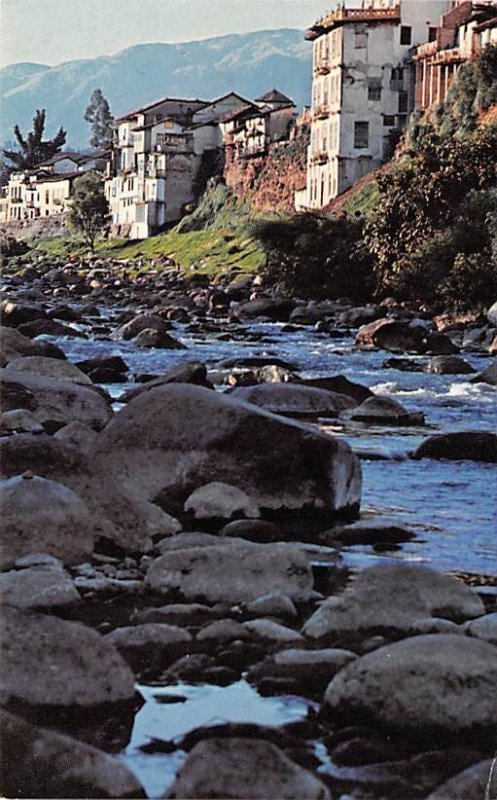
{"points": [[14, 312], [61, 401], [385, 411], [292, 399], [438, 684], [14, 344], [42, 763], [40, 586], [449, 365], [392, 598], [232, 573], [244, 769], [185, 372], [460, 446], [489, 375], [220, 501], [274, 308], [49, 368], [47, 661], [43, 516], [389, 334], [140, 323], [173, 439], [161, 340], [476, 782], [341, 385]]}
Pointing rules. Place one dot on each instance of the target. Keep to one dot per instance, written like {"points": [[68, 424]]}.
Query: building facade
{"points": [[362, 90]]}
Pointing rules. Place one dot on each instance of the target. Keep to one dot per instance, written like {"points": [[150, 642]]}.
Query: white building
{"points": [[363, 88]]}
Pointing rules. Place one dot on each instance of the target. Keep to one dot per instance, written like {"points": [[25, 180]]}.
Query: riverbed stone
{"points": [[449, 365], [489, 375], [141, 322], [20, 420], [40, 515], [223, 630], [217, 500], [393, 335], [385, 411], [255, 530], [277, 309], [160, 340], [477, 781], [310, 669], [244, 768], [15, 312], [391, 598], [460, 446], [421, 686], [39, 762], [185, 372], [49, 368], [61, 401], [483, 628], [47, 661], [272, 631], [14, 344], [232, 573], [492, 314], [292, 399], [340, 385], [173, 439], [41, 587], [274, 604], [150, 643]]}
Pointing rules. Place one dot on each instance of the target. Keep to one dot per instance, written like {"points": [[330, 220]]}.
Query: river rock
{"points": [[389, 334], [232, 573], [78, 434], [42, 586], [272, 605], [14, 313], [49, 368], [276, 309], [424, 685], [185, 372], [460, 446], [489, 375], [113, 363], [218, 500], [492, 315], [47, 661], [341, 385], [140, 323], [47, 327], [40, 515], [223, 630], [310, 669], [391, 598], [42, 763], [477, 781], [449, 365], [439, 344], [161, 340], [385, 411], [61, 400], [15, 345], [255, 530], [173, 439], [15, 396], [149, 644], [20, 420], [294, 399], [483, 628], [244, 769]]}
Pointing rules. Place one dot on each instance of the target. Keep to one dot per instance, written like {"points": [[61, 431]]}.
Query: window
{"points": [[361, 40], [374, 90], [361, 135], [388, 121], [397, 76], [47, 197], [403, 102], [405, 34], [432, 34]]}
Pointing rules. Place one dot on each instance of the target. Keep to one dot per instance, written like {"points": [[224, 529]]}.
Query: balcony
{"points": [[322, 67], [319, 158], [452, 56], [322, 111], [343, 15]]}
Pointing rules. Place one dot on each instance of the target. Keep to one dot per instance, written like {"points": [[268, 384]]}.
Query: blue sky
{"points": [[52, 31]]}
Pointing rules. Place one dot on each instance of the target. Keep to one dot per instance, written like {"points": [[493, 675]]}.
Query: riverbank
{"points": [[215, 553]]}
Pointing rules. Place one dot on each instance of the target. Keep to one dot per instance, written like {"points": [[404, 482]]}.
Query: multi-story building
{"points": [[462, 34], [250, 130], [362, 89]]}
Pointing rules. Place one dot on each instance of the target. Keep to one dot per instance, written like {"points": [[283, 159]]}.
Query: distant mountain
{"points": [[248, 63]]}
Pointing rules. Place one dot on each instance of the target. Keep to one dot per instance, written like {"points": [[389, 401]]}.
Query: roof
{"points": [[224, 96], [246, 109], [150, 106], [275, 96]]}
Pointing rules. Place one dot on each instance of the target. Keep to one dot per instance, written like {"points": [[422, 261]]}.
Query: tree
{"points": [[34, 150], [88, 210], [101, 121]]}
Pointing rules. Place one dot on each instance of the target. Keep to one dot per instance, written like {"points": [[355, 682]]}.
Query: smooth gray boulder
{"points": [[42, 586], [43, 763], [392, 598], [460, 446], [483, 628], [244, 769], [449, 365], [44, 516], [141, 323], [478, 782], [160, 340], [272, 631], [47, 661], [310, 669], [173, 439], [385, 411], [185, 372], [391, 334], [437, 683], [61, 401], [49, 368], [489, 375], [293, 399], [20, 420], [220, 501], [13, 344], [232, 573]]}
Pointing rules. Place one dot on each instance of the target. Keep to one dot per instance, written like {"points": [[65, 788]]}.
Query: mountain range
{"points": [[249, 64]]}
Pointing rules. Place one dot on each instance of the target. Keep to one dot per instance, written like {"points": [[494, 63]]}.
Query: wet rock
{"points": [[232, 573], [256, 361], [78, 434], [43, 586], [49, 368], [370, 531], [449, 365], [311, 670], [389, 334], [272, 605], [14, 345], [361, 316], [176, 613], [272, 631], [483, 628], [222, 501], [15, 313], [244, 768], [276, 309], [460, 446], [477, 781], [254, 530], [149, 644], [39, 515], [385, 411], [294, 399], [375, 604], [340, 385], [47, 661], [489, 375], [20, 420], [42, 763], [151, 338], [142, 322], [361, 750], [223, 630], [405, 364], [16, 396], [191, 667], [102, 587], [194, 372], [426, 684], [492, 315], [173, 439], [61, 400], [434, 625], [113, 363], [439, 344], [47, 327]]}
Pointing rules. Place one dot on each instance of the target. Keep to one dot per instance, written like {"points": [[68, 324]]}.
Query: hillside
{"points": [[250, 63]]}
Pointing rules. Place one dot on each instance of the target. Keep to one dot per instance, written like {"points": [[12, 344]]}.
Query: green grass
{"points": [[365, 199]]}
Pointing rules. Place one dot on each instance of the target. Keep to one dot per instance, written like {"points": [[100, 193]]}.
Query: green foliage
{"points": [[315, 255], [88, 210], [34, 150], [101, 121]]}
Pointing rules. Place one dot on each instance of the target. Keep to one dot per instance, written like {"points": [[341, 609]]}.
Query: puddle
{"points": [[197, 706]]}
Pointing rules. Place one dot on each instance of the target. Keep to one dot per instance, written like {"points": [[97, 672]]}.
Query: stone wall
{"points": [[41, 226], [269, 182]]}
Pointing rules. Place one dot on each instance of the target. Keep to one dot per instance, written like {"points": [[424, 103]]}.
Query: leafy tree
{"points": [[88, 210], [34, 149], [101, 121]]}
